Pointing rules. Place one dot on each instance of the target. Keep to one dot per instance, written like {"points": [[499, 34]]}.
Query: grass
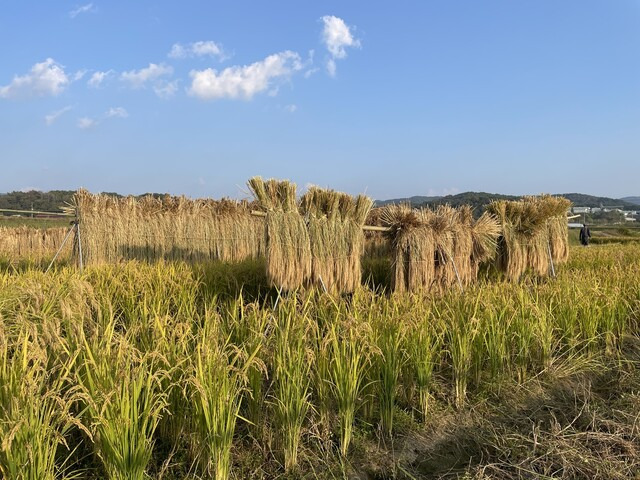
{"points": [[174, 371], [41, 223]]}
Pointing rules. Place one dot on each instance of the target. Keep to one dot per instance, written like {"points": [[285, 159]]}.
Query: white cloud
{"points": [[291, 108], [82, 9], [117, 112], [244, 81], [198, 49], [46, 78], [337, 36], [166, 89], [53, 116], [331, 67], [79, 75], [98, 77], [139, 78], [86, 122]]}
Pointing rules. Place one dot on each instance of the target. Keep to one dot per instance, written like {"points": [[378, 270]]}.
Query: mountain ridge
{"points": [[53, 200]]}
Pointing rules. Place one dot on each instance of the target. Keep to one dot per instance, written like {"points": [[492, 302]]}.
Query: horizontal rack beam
{"points": [[37, 212], [366, 228]]}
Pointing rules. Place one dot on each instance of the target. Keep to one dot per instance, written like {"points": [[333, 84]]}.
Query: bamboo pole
{"points": [[37, 212], [366, 228]]}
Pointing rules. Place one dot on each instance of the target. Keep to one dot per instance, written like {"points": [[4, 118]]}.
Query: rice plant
{"points": [[348, 365], [123, 402], [291, 379], [35, 410], [218, 381]]}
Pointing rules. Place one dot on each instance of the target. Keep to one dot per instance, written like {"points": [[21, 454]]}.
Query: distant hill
{"points": [[634, 200], [51, 201], [54, 200], [416, 200], [479, 200], [582, 200]]}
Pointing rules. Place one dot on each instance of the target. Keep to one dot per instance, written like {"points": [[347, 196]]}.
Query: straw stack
{"points": [[532, 229], [170, 228], [414, 247], [288, 249], [335, 223], [33, 243], [437, 249]]}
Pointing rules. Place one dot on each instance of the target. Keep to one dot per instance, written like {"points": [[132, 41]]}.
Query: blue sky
{"points": [[392, 98]]}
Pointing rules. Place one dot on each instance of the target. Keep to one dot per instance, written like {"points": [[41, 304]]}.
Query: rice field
{"points": [[179, 370]]}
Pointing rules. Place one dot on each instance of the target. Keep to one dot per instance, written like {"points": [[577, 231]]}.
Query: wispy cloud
{"points": [[79, 75], [85, 123], [139, 78], [97, 78], [291, 108], [82, 9], [117, 112], [166, 89], [152, 75], [198, 49], [44, 79], [53, 116], [337, 36], [244, 81]]}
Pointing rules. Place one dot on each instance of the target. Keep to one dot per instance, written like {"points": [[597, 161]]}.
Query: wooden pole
{"points": [[366, 228], [61, 247], [60, 214]]}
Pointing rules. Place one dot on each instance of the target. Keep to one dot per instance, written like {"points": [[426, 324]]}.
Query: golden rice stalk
{"points": [[335, 223], [484, 234], [167, 228], [413, 246], [33, 243], [532, 229], [288, 246]]}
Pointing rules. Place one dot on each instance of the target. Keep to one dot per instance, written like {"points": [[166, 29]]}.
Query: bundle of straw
{"points": [[335, 223], [33, 243], [532, 230], [436, 249], [169, 228], [414, 247], [288, 248]]}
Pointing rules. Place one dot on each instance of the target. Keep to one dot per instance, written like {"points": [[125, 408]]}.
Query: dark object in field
{"points": [[585, 235]]}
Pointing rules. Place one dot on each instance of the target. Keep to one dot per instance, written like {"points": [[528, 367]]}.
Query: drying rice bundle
{"points": [[512, 245], [170, 228], [444, 223], [434, 249], [484, 238], [288, 249], [532, 229], [335, 222], [555, 209], [33, 243], [414, 247]]}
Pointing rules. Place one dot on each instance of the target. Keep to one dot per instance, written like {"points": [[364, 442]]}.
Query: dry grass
{"points": [[33, 243], [170, 228]]}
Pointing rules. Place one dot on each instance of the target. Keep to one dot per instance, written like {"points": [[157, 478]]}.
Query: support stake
{"points": [[80, 259], [66, 237], [455, 269], [553, 268]]}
